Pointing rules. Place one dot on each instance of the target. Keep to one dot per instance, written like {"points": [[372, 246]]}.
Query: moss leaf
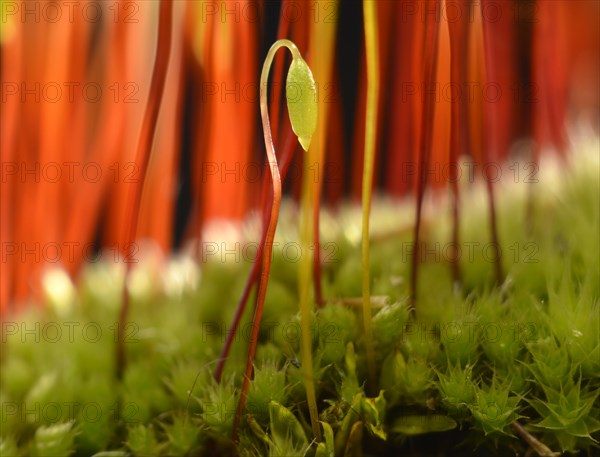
{"points": [[286, 431]]}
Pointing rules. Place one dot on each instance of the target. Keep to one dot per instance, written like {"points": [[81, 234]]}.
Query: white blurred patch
{"points": [[144, 277], [180, 275], [59, 291]]}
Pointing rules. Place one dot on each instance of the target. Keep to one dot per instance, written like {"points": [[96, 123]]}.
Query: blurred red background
{"points": [[75, 80]]}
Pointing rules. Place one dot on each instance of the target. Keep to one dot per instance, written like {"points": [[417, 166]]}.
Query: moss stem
{"points": [[540, 448], [490, 151], [157, 85], [267, 256], [432, 27], [372, 51]]}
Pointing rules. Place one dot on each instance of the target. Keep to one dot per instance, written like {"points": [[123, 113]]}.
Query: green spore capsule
{"points": [[301, 94]]}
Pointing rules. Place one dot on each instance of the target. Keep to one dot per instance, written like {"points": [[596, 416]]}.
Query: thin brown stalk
{"points": [[157, 85], [253, 277], [268, 245], [490, 151], [540, 448], [430, 68], [459, 43]]}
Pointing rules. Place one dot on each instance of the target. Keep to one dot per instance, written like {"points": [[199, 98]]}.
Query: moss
{"points": [[472, 361]]}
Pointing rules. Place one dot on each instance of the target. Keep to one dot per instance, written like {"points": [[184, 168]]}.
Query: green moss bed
{"points": [[453, 378]]}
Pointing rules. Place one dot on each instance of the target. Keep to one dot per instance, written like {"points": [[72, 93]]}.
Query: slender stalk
{"points": [[239, 311], [372, 51], [309, 269], [322, 48], [459, 137], [320, 301], [490, 151], [540, 448], [304, 287], [267, 255], [426, 141], [157, 85], [253, 277], [282, 31]]}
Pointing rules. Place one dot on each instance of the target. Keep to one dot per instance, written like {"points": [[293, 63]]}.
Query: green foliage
{"points": [[287, 434], [569, 412], [349, 385], [218, 402], [457, 389], [388, 325], [494, 409], [326, 448], [337, 327], [466, 366], [269, 384], [182, 434], [8, 446], [54, 441], [373, 415], [142, 441], [551, 364]]}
